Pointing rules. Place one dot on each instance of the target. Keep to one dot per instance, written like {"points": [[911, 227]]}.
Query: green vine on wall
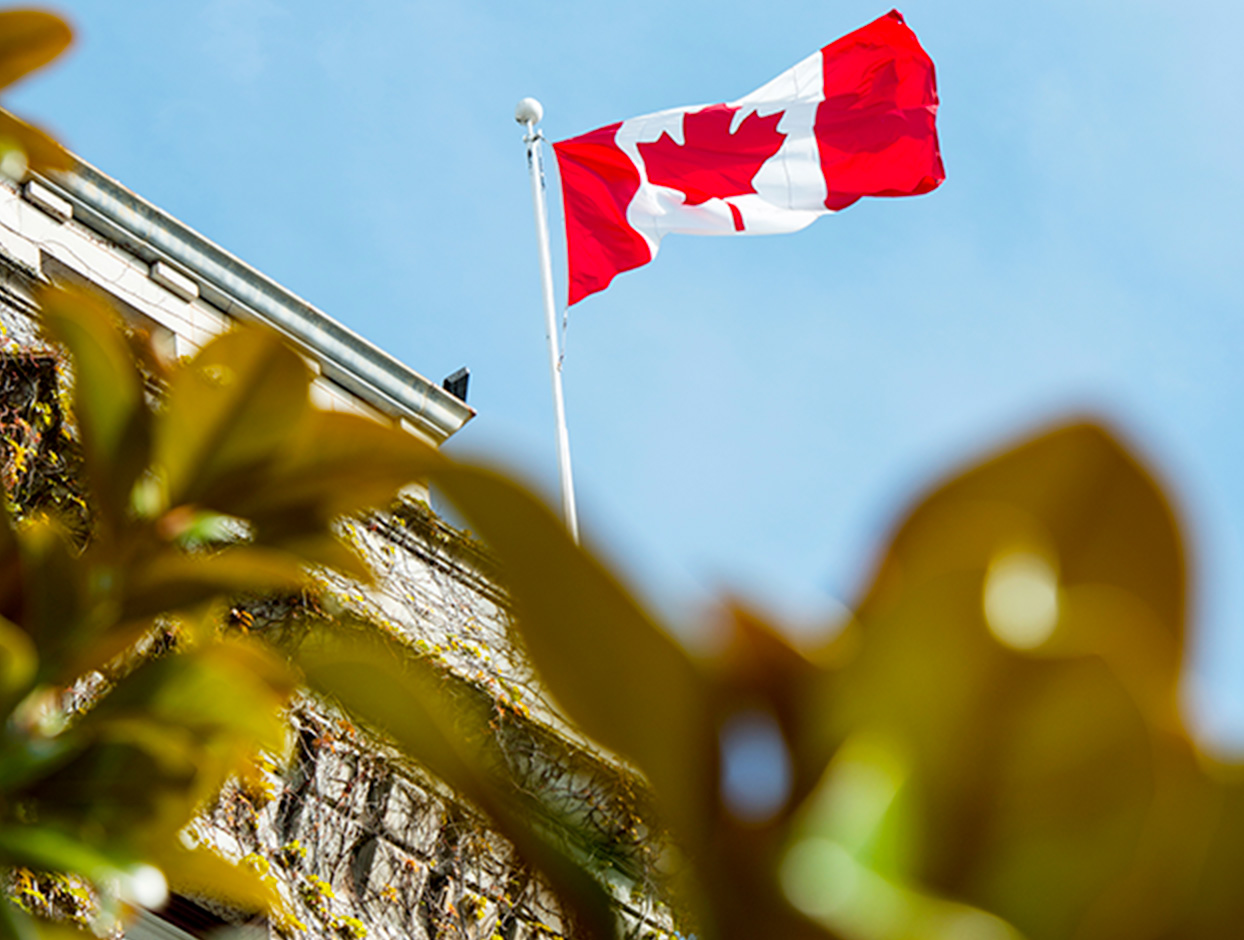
{"points": [[40, 459]]}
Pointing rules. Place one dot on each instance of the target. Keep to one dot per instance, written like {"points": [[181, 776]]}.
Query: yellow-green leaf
{"points": [[1020, 644], [1050, 522], [173, 580], [204, 873], [49, 849], [335, 464], [108, 394], [16, 924], [25, 147], [57, 599], [163, 742], [18, 662], [29, 39], [615, 672], [232, 689], [229, 414]]}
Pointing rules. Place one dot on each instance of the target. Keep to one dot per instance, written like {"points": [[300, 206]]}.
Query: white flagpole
{"points": [[528, 113]]}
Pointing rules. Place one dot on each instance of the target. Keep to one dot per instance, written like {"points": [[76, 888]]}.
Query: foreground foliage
{"points": [[29, 40], [990, 746], [128, 704]]}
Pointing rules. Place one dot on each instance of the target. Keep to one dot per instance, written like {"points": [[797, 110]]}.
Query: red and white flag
{"points": [[854, 119]]}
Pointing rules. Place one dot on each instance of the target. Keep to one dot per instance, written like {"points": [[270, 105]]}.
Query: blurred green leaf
{"points": [[163, 742], [231, 689], [1076, 499], [29, 39], [59, 931], [18, 663], [48, 849], [1073, 780], [15, 924], [24, 759], [58, 607]]}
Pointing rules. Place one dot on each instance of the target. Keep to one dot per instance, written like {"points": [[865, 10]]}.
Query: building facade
{"points": [[360, 841]]}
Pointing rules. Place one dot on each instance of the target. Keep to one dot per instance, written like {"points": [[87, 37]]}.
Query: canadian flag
{"points": [[855, 119]]}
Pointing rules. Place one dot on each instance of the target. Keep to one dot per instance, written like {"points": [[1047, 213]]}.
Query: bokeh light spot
{"points": [[1021, 599], [819, 877], [755, 766]]}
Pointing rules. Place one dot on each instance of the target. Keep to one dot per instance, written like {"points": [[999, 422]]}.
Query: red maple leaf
{"points": [[712, 162]]}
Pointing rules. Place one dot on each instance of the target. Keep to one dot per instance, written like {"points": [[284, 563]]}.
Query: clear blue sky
{"points": [[747, 412]]}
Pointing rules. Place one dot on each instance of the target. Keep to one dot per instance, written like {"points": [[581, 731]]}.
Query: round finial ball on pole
{"points": [[528, 111]]}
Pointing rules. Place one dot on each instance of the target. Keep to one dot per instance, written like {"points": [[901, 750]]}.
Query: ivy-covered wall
{"points": [[358, 840]]}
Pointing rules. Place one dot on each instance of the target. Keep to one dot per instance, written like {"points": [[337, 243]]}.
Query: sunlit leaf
{"points": [[1077, 501], [173, 581], [1020, 642], [323, 548], [229, 413], [201, 872], [108, 394], [331, 465], [229, 689], [25, 147], [29, 39]]}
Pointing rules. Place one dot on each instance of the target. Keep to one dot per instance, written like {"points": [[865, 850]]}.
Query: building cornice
{"points": [[122, 216]]}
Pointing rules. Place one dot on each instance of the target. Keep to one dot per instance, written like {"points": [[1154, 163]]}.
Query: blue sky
{"points": [[751, 413]]}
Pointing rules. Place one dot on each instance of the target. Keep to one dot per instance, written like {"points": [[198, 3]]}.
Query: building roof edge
{"points": [[121, 215]]}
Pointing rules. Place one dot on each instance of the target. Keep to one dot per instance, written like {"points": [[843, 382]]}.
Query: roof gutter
{"points": [[103, 204]]}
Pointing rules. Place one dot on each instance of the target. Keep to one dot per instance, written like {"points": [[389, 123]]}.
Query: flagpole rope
{"points": [[561, 359], [544, 188]]}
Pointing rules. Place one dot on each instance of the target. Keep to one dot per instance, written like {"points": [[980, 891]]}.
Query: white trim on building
{"points": [[85, 226]]}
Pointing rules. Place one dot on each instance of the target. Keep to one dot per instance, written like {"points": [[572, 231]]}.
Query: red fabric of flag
{"points": [[855, 119]]}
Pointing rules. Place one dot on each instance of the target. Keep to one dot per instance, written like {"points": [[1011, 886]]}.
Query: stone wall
{"points": [[363, 844], [398, 852], [359, 840]]}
